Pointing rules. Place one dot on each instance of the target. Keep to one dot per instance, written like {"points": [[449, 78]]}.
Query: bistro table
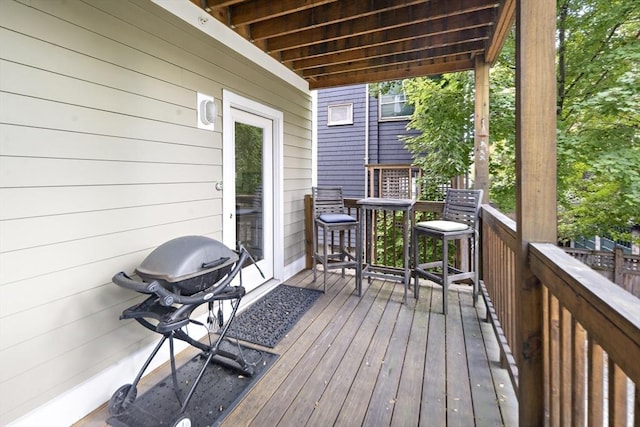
{"points": [[367, 208]]}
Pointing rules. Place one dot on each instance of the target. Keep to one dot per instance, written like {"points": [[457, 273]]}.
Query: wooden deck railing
{"points": [[622, 269], [498, 273], [591, 339], [592, 342]]}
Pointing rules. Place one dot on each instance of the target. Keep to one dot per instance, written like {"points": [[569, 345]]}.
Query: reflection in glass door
{"points": [[249, 188]]}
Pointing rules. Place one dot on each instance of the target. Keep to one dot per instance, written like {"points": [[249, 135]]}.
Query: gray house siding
{"points": [[100, 162], [391, 146], [341, 149]]}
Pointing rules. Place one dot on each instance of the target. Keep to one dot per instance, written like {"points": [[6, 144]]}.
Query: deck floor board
{"points": [[310, 394], [385, 393], [372, 360], [356, 404], [406, 411], [335, 394]]}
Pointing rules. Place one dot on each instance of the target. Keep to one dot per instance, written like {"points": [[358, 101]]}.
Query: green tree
{"points": [[444, 116], [443, 108], [598, 117], [248, 141], [598, 108]]}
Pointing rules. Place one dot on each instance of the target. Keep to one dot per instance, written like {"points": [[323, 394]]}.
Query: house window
{"points": [[340, 114], [394, 106]]}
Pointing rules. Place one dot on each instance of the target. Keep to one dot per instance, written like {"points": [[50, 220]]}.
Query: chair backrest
{"points": [[327, 200], [462, 206]]}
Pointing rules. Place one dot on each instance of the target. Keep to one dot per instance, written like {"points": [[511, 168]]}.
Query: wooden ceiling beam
{"points": [[407, 59], [434, 27], [384, 21], [504, 23], [249, 12], [332, 13], [392, 73], [407, 45], [333, 42]]}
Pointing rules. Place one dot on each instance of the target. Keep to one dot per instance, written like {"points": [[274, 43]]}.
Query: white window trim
{"points": [[348, 120]]}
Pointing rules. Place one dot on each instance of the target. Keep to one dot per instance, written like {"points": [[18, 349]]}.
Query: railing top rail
{"points": [[488, 213], [582, 251], [608, 313], [504, 226], [391, 166]]}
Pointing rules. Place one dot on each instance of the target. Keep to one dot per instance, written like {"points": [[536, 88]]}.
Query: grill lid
{"points": [[186, 257]]}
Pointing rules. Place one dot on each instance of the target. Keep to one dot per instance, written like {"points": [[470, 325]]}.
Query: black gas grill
{"points": [[179, 276]]}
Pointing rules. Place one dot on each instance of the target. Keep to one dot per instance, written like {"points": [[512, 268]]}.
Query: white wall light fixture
{"points": [[207, 111]]}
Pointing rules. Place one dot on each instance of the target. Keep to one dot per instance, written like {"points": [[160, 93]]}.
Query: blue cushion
{"points": [[334, 218]]}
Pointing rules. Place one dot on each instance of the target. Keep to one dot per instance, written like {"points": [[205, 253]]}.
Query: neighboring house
{"points": [[102, 159], [356, 129]]}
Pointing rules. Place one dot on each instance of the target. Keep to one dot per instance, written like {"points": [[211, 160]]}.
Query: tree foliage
{"points": [[443, 108], [598, 117], [248, 140], [598, 109]]}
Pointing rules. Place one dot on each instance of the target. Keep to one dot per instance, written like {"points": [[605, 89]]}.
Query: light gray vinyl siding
{"points": [[100, 162]]}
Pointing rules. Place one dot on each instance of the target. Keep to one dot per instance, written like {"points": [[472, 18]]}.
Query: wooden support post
{"points": [[481, 125], [535, 189]]}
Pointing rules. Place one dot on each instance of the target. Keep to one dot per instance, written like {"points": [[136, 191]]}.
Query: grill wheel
{"points": [[182, 421], [121, 399]]}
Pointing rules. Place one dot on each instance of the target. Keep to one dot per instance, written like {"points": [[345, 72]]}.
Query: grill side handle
{"points": [[124, 281]]}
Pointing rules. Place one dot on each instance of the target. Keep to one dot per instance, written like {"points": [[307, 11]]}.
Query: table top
{"points": [[386, 203]]}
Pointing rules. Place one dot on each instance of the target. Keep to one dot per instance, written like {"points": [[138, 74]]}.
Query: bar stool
{"points": [[328, 218], [459, 221]]}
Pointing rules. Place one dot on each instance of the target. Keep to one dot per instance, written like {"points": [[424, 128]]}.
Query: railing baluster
{"points": [[555, 357], [566, 359], [595, 393], [578, 375], [617, 396]]}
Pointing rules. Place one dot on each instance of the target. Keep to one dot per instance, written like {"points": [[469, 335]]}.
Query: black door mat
{"points": [[218, 392], [268, 320]]}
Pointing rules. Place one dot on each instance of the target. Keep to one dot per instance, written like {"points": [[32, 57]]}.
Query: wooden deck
{"points": [[373, 361]]}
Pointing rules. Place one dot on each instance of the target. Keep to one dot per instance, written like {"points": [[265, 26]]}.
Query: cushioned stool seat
{"points": [[330, 222], [459, 223], [334, 218], [443, 225]]}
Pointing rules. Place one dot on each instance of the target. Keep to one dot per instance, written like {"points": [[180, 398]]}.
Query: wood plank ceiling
{"points": [[342, 42]]}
